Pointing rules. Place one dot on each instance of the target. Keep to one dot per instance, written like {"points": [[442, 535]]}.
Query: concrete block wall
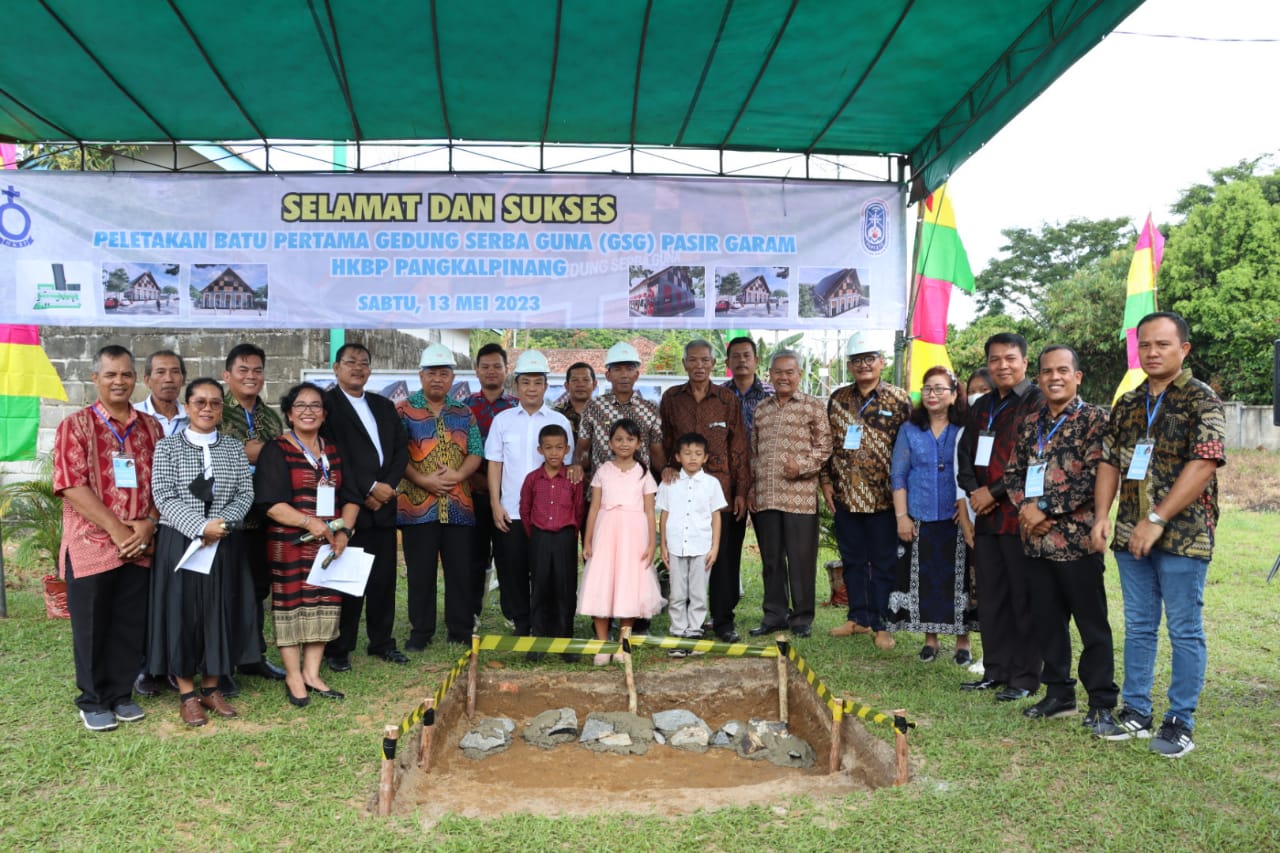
{"points": [[289, 352]]}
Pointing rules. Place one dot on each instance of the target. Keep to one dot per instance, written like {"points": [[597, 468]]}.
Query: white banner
{"points": [[405, 251]]}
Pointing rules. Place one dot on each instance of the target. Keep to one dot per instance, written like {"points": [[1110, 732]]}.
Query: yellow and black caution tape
{"points": [[558, 645], [418, 714], [845, 707], [712, 646]]}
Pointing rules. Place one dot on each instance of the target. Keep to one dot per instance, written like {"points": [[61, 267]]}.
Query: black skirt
{"points": [[200, 624]]}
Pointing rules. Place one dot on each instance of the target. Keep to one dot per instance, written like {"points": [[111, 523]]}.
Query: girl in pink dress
{"points": [[619, 580]]}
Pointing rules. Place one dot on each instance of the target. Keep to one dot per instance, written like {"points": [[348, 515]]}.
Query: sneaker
{"points": [[1174, 739], [128, 712], [1099, 720], [1125, 725], [678, 653], [1091, 718], [977, 668], [99, 721]]}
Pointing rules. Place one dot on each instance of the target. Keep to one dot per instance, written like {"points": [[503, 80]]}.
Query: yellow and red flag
{"points": [[26, 375], [1141, 299]]}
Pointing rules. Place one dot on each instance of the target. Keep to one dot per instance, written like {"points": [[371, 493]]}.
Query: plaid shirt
{"points": [[860, 478], [1190, 424], [1071, 455], [178, 462], [485, 410], [600, 414], [796, 430]]}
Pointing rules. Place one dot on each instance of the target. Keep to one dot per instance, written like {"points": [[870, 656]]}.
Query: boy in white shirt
{"points": [[689, 527]]}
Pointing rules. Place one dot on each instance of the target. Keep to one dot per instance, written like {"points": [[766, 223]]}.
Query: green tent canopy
{"points": [[926, 82]]}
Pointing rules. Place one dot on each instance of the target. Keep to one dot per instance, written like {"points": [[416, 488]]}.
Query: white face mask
{"points": [[973, 398]]}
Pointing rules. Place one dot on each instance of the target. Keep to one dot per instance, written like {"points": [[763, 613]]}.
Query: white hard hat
{"points": [[621, 353], [437, 355], [859, 343], [531, 361]]}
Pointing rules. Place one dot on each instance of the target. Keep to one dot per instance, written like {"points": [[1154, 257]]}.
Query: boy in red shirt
{"points": [[551, 512]]}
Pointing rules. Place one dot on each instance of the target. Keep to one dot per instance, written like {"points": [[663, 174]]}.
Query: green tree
{"points": [[79, 158], [1037, 262], [1086, 312], [729, 285], [966, 346], [1222, 272], [115, 281]]}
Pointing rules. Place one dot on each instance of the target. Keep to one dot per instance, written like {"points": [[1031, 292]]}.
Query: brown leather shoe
{"points": [[217, 703], [848, 629], [884, 640], [192, 713]]}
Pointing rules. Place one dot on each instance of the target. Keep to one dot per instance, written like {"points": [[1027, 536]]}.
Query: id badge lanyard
{"points": [[124, 467], [325, 492], [1143, 450], [853, 435], [1035, 471], [987, 437]]}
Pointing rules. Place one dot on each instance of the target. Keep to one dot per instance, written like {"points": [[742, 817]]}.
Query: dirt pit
{"points": [[573, 780]]}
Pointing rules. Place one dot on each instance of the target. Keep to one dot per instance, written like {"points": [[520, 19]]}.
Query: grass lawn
{"points": [[984, 777]]}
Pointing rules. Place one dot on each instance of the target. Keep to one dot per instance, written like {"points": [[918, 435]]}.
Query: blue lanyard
{"points": [[1042, 439], [248, 420], [991, 418], [1151, 414], [321, 463], [868, 403], [97, 410]]}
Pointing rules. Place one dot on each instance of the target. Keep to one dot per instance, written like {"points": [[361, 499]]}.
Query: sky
{"points": [[1130, 125]]}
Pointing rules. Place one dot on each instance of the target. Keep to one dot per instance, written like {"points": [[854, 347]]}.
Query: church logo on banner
{"points": [[15, 222], [875, 226]]}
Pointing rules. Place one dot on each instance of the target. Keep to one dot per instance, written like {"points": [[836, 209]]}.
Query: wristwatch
{"points": [[1042, 505], [1155, 519]]}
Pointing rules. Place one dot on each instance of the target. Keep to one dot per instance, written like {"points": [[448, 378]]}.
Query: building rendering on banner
{"points": [[228, 290], [666, 292], [839, 292], [755, 292], [143, 289]]}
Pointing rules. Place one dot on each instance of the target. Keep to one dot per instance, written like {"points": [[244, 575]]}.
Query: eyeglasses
{"points": [[308, 407], [936, 390], [860, 360], [363, 365], [214, 403]]}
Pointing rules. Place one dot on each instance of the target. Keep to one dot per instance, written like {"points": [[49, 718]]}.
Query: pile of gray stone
{"points": [[624, 733]]}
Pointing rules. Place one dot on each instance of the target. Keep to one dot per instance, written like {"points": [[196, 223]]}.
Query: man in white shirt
{"points": [[511, 451], [164, 374]]}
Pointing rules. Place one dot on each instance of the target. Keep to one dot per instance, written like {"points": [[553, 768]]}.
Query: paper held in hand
{"points": [[198, 557], [348, 573]]}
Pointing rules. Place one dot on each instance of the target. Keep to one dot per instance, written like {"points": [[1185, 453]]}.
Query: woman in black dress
{"points": [[201, 623], [298, 481]]}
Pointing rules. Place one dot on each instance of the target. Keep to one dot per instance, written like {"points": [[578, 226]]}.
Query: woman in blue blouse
{"points": [[931, 592]]}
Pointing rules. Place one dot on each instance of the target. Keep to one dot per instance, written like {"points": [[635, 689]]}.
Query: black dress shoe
{"points": [[984, 684], [802, 632], [227, 686], [145, 685], [337, 663], [730, 636], [270, 670], [1012, 694], [294, 700], [1050, 707], [327, 694], [394, 656], [761, 630]]}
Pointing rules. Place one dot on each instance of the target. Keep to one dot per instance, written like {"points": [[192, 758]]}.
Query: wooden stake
{"points": [[783, 702], [624, 636], [387, 783], [428, 732], [900, 749], [837, 722], [473, 670]]}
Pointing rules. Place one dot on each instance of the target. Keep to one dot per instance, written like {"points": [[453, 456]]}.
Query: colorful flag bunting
{"points": [[1141, 299], [941, 263], [8, 155], [26, 375]]}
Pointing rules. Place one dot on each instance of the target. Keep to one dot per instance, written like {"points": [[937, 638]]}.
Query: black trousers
{"points": [[378, 601], [425, 547], [1010, 642], [484, 548], [512, 558], [789, 554], [255, 553], [724, 586], [1061, 591], [553, 576], [108, 629]]}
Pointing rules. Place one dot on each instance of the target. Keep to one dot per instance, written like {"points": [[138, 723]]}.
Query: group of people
{"points": [[1003, 497]]}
